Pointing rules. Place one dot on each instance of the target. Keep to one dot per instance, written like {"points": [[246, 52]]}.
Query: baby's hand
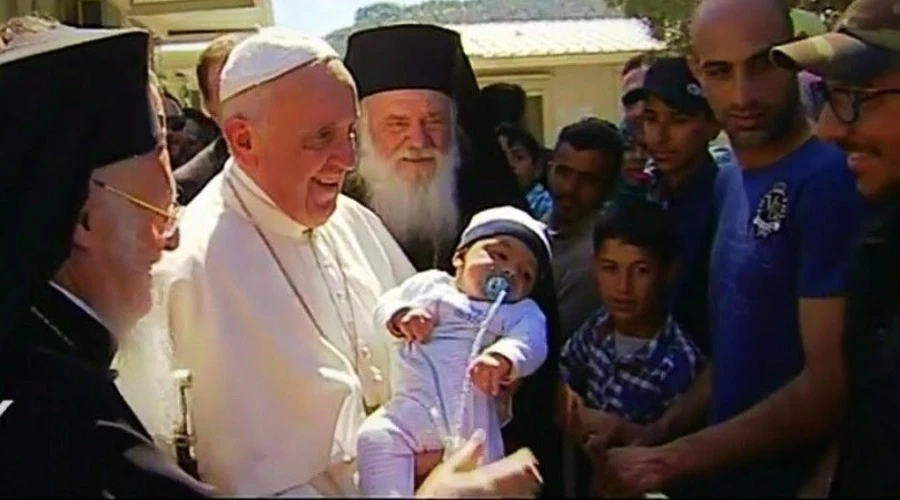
{"points": [[488, 371], [414, 324]]}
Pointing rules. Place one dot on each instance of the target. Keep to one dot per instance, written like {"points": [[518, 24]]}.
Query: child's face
{"points": [[676, 140], [499, 253], [629, 280], [520, 161]]}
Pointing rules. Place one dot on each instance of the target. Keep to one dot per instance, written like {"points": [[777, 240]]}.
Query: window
{"points": [[534, 116], [82, 13], [90, 13]]}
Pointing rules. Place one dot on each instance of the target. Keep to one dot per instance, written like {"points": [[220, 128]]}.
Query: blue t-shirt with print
{"points": [[784, 233]]}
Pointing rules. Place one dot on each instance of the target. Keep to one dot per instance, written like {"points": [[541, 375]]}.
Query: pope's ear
{"points": [[239, 136]]}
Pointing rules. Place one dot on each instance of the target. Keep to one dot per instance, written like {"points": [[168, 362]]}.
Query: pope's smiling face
{"points": [[303, 142], [411, 129]]}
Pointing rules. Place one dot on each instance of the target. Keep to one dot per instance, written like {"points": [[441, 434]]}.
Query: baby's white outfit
{"points": [[430, 375]]}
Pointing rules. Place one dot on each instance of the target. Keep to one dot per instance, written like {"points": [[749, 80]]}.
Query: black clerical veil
{"points": [[428, 57], [404, 56], [71, 101]]}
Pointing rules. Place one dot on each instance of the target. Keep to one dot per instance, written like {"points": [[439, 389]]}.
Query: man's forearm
{"points": [[684, 415], [802, 411]]}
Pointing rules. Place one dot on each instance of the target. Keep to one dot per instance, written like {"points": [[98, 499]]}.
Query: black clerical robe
{"points": [[483, 184], [64, 428], [194, 175]]}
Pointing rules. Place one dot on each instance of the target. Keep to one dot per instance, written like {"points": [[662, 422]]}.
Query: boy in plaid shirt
{"points": [[630, 360]]}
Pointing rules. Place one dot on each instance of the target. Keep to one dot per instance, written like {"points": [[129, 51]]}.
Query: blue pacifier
{"points": [[496, 284]]}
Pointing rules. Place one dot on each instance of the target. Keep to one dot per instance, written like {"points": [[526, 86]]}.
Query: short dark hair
{"points": [[635, 62], [503, 102], [637, 222], [594, 134], [215, 54], [517, 136]]}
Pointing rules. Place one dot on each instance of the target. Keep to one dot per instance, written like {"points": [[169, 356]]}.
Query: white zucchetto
{"points": [[266, 55]]}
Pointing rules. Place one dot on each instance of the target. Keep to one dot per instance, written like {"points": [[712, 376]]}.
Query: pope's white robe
{"points": [[277, 406]]}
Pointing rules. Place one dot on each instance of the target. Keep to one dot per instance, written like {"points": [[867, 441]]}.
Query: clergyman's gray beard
{"points": [[412, 213], [144, 362]]}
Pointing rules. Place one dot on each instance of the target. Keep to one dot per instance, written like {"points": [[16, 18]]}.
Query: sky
{"points": [[320, 17]]}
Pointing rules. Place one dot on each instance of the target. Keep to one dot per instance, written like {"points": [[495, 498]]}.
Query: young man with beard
{"points": [[859, 64], [429, 160], [678, 127], [586, 162], [788, 217]]}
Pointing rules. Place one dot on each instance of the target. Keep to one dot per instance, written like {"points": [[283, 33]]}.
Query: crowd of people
{"points": [[372, 280]]}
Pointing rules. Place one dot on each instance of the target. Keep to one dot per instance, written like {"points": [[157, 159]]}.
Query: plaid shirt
{"points": [[637, 387], [539, 201]]}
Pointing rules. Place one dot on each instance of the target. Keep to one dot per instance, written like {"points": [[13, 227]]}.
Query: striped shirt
{"points": [[638, 386], [539, 201]]}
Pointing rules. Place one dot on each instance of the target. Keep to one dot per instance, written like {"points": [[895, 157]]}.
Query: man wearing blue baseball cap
{"points": [[678, 126]]}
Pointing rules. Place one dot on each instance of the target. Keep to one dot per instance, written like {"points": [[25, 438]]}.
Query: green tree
{"points": [[669, 19], [473, 11], [379, 12]]}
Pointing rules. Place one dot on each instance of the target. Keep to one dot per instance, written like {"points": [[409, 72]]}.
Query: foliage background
{"points": [[472, 11], [668, 19]]}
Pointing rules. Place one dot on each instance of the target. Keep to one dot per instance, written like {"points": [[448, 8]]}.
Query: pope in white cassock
{"points": [[270, 295]]}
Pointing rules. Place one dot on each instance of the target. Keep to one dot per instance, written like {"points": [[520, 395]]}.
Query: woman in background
{"points": [[524, 155]]}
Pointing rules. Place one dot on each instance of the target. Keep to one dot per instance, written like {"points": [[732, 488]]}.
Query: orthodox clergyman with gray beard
{"points": [[428, 161], [90, 206], [417, 169]]}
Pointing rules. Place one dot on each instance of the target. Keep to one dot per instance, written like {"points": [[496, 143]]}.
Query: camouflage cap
{"points": [[863, 44]]}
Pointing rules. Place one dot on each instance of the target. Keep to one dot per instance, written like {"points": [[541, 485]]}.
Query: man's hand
{"points": [[413, 325], [600, 429], [489, 371], [653, 434], [515, 476], [604, 483], [426, 461], [640, 469], [568, 402]]}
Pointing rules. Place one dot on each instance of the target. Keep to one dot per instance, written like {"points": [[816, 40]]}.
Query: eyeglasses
{"points": [[846, 103], [171, 216]]}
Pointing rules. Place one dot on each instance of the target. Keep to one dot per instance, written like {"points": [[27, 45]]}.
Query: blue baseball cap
{"points": [[670, 80]]}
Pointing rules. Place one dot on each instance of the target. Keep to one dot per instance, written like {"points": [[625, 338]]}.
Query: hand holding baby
{"points": [[412, 324], [490, 372]]}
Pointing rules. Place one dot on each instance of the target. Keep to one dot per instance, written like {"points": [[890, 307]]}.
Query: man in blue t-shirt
{"points": [[788, 219]]}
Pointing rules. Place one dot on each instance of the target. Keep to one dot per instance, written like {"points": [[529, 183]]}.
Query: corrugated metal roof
{"points": [[554, 38]]}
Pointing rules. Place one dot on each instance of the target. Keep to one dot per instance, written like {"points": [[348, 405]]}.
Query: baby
{"points": [[435, 318]]}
